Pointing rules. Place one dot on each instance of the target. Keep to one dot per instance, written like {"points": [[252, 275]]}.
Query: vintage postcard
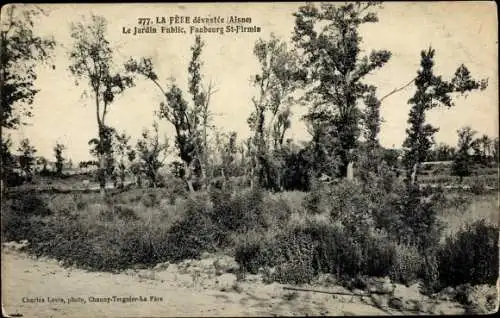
{"points": [[249, 159]]}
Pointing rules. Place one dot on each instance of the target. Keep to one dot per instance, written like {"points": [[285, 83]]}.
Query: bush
{"points": [[470, 256], [108, 237], [408, 264], [345, 202], [110, 242], [194, 233], [380, 254], [303, 251], [175, 188], [313, 202], [411, 218], [336, 252], [22, 216], [255, 250], [30, 203], [65, 238], [239, 212], [295, 264], [277, 211]]}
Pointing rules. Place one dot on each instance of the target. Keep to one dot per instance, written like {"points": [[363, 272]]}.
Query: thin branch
{"points": [[159, 86], [398, 89]]}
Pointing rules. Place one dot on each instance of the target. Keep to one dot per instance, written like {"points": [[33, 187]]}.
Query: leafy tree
{"points": [[91, 60], [151, 154], [8, 162], [102, 149], [477, 155], [122, 150], [296, 167], [86, 164], [228, 150], [200, 115], [20, 52], [190, 121], [462, 163], [485, 144], [135, 167], [432, 91], [58, 151], [270, 119], [442, 152], [336, 69], [26, 158]]}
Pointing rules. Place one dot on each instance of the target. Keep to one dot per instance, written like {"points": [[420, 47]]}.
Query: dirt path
{"points": [[166, 293]]}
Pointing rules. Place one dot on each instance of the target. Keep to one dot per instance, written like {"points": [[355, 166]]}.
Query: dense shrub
{"points": [[345, 202], [254, 250], [380, 254], [239, 211], [300, 252], [335, 252], [194, 233], [17, 227], [411, 218], [313, 200], [29, 203], [111, 241], [341, 251], [277, 211], [295, 262], [430, 271], [470, 256], [356, 229], [408, 264], [174, 188], [65, 238], [22, 215]]}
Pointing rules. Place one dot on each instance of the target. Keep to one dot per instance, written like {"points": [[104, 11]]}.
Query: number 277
{"points": [[143, 21]]}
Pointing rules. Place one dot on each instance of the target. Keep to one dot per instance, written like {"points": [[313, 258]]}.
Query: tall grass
{"points": [[463, 209]]}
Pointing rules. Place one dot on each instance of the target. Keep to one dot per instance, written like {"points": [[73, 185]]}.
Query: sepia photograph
{"points": [[249, 159]]}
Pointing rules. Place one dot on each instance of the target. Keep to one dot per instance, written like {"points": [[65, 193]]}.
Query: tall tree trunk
{"points": [[350, 171], [188, 176], [413, 178], [102, 176]]}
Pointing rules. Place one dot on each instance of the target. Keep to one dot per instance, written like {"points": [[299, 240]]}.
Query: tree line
{"points": [[324, 69]]}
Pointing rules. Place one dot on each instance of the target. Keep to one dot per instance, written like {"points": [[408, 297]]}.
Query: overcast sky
{"points": [[461, 32]]}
